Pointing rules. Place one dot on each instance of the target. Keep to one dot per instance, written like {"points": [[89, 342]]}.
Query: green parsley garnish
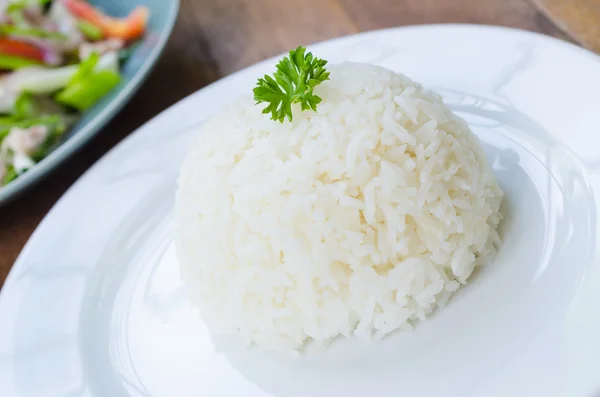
{"points": [[293, 82]]}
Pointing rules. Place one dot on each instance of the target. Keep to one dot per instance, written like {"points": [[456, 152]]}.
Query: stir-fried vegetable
{"points": [[90, 31], [128, 28], [57, 58], [10, 62], [9, 175], [88, 85], [20, 49], [31, 32], [20, 5]]}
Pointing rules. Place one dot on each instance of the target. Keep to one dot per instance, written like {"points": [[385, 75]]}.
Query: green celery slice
{"points": [[11, 62]]}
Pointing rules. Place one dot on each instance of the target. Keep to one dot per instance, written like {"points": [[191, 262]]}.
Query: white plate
{"points": [[94, 305]]}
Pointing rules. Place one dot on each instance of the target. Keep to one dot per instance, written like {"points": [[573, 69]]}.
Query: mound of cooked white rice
{"points": [[356, 220]]}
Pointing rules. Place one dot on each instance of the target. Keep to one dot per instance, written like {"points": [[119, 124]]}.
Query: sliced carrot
{"points": [[83, 10], [20, 49], [129, 28]]}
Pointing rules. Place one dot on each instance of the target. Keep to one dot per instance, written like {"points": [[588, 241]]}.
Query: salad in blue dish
{"points": [[58, 58]]}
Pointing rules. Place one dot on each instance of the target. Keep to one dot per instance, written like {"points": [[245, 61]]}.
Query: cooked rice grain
{"points": [[357, 219]]}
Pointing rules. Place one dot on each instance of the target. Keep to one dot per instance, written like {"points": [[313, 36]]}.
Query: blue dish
{"points": [[163, 14]]}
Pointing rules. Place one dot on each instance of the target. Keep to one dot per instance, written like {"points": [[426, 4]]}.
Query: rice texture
{"points": [[356, 220]]}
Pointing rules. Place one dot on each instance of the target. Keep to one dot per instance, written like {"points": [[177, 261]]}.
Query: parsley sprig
{"points": [[293, 82]]}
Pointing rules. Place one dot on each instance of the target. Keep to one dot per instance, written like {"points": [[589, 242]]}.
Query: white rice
{"points": [[356, 220]]}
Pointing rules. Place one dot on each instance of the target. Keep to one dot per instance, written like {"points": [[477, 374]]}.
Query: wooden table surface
{"points": [[213, 38]]}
